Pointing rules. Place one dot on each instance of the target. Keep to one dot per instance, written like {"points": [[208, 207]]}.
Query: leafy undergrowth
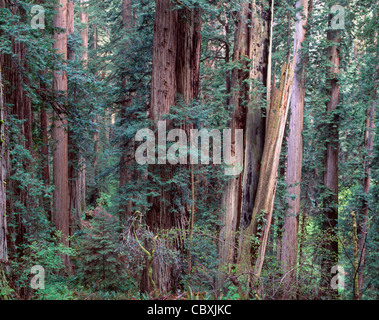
{"points": [[60, 291]]}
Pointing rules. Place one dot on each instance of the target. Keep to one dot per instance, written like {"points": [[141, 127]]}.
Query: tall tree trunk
{"points": [[330, 246], [76, 171], [44, 118], [176, 59], [253, 255], [14, 70], [301, 250], [74, 164], [61, 215], [3, 215], [295, 156], [251, 42], [126, 160], [84, 36], [363, 215], [45, 154], [84, 32], [96, 146], [364, 212]]}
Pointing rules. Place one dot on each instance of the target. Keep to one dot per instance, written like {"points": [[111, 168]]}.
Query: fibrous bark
{"points": [[175, 77], [14, 70]]}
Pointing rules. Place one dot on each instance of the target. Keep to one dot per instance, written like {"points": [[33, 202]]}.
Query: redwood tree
{"points": [[175, 77], [251, 52], [126, 161], [330, 211], [3, 216], [61, 215]]}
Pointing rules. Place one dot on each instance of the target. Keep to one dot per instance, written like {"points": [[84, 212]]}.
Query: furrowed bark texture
{"points": [[262, 213], [175, 76], [14, 70]]}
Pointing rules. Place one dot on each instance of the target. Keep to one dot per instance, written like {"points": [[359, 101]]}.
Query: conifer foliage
{"points": [[189, 149]]}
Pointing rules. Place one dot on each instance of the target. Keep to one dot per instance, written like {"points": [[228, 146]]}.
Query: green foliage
{"points": [[46, 253], [100, 265], [107, 254]]}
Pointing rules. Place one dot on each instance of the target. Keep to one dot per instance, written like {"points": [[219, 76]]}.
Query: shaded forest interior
{"points": [[189, 149]]}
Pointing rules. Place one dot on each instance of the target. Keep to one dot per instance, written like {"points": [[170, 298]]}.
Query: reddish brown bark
{"points": [[330, 246], [84, 31], [61, 215], [14, 69], [176, 53]]}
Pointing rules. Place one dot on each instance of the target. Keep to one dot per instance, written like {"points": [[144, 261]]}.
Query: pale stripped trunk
{"points": [[264, 201], [294, 157]]}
